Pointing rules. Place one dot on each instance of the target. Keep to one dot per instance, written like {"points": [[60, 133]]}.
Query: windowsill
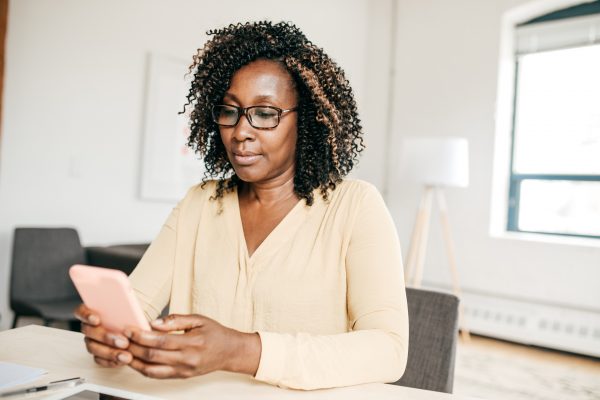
{"points": [[550, 239]]}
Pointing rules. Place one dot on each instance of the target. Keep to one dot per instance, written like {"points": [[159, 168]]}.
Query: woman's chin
{"points": [[248, 175]]}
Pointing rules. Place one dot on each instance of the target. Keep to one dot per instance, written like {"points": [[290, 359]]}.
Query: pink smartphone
{"points": [[109, 293]]}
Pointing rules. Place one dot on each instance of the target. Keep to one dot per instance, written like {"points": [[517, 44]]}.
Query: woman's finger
{"points": [[176, 322], [99, 334], [99, 350], [158, 340], [159, 371], [106, 363], [158, 356], [86, 315]]}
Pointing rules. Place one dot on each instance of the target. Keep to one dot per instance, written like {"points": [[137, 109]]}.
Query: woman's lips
{"points": [[245, 158]]}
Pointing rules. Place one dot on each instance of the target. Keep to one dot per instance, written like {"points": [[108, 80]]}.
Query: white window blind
{"points": [[564, 33]]}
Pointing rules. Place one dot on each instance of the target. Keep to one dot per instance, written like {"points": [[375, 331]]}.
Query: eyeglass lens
{"points": [[258, 116]]}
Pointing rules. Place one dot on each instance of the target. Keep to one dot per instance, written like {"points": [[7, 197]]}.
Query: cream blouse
{"points": [[325, 290]]}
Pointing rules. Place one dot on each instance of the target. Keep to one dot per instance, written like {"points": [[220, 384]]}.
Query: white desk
{"points": [[63, 354]]}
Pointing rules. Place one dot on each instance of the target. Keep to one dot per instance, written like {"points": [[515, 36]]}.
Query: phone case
{"points": [[109, 293]]}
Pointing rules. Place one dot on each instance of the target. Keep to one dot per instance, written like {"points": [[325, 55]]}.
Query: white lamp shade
{"points": [[440, 161]]}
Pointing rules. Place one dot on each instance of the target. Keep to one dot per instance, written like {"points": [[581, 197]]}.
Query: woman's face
{"points": [[257, 155]]}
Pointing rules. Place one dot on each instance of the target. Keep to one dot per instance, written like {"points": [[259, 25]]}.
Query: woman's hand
{"points": [[108, 348], [203, 347]]}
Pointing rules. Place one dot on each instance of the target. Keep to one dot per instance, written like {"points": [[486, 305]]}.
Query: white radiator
{"points": [[555, 327]]}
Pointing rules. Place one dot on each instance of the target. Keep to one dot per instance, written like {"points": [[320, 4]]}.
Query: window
{"points": [[555, 165]]}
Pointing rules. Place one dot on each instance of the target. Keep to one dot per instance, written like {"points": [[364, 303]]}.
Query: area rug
{"points": [[497, 370]]}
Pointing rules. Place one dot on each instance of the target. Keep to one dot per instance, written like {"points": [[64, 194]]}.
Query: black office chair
{"points": [[433, 332], [40, 285]]}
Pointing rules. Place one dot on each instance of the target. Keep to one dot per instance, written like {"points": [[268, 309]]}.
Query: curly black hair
{"points": [[329, 130]]}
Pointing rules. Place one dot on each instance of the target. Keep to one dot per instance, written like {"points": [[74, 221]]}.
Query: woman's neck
{"points": [[269, 193]]}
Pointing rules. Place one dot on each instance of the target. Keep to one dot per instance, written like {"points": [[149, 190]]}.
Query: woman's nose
{"points": [[243, 130]]}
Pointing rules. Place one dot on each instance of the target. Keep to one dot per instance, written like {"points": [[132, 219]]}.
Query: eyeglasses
{"points": [[260, 117]]}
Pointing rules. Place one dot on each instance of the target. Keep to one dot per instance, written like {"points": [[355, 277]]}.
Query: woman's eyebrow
{"points": [[230, 96], [263, 97]]}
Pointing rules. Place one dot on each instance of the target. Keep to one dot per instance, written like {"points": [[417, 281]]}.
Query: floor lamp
{"points": [[434, 163]]}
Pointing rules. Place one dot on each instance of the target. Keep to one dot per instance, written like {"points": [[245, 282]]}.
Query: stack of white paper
{"points": [[15, 374]]}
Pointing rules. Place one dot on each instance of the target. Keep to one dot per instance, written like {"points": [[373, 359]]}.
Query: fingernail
{"points": [[122, 343], [124, 358], [159, 321], [93, 319]]}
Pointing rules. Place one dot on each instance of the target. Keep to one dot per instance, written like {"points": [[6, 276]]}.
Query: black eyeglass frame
{"points": [[244, 111]]}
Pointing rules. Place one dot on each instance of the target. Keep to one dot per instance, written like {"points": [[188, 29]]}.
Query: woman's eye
{"points": [[229, 113], [265, 114]]}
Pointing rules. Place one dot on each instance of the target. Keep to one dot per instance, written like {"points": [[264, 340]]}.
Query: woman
{"points": [[278, 268]]}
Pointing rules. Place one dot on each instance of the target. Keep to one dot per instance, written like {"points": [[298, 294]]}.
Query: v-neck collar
{"points": [[277, 237]]}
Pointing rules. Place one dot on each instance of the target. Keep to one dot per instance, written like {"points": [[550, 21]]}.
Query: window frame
{"points": [[516, 179]]}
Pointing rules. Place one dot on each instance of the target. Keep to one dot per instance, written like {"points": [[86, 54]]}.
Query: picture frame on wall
{"points": [[168, 166]]}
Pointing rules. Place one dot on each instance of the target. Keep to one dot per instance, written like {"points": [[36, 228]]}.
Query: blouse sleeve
{"points": [[376, 348], [152, 277]]}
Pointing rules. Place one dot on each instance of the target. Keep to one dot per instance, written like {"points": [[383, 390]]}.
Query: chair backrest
{"points": [[41, 259], [433, 332], [124, 257]]}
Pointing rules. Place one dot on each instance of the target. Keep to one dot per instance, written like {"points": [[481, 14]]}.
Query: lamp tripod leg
{"points": [[421, 245], [441, 200], [415, 240]]}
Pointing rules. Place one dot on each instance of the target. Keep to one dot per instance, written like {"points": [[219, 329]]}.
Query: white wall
{"points": [[446, 76], [73, 102]]}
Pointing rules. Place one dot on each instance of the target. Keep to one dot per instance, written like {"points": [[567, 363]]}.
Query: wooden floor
{"points": [[492, 369]]}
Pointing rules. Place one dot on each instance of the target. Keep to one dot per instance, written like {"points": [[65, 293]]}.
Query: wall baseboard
{"points": [[555, 327]]}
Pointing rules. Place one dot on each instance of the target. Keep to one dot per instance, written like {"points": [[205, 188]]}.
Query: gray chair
{"points": [[39, 284], [433, 332], [124, 257]]}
